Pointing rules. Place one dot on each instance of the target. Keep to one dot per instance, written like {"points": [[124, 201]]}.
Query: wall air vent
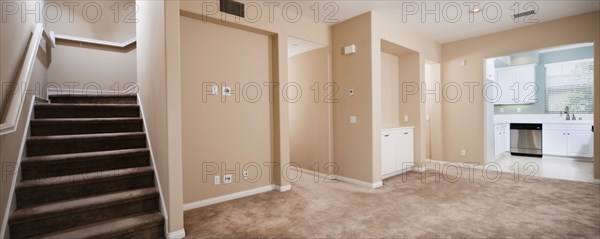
{"points": [[232, 7], [523, 14]]}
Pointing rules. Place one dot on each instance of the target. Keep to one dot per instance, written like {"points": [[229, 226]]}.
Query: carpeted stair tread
{"points": [[82, 178], [48, 166], [87, 156], [51, 121], [114, 99], [83, 137], [65, 110], [81, 204], [72, 126], [36, 192], [110, 228], [91, 105]]}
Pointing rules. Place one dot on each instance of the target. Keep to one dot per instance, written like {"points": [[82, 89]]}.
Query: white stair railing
{"points": [[15, 104]]}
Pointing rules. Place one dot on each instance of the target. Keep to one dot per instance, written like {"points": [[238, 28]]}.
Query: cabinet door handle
{"points": [[387, 135], [405, 132]]}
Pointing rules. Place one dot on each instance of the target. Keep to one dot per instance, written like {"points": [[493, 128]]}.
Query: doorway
{"points": [[552, 88]]}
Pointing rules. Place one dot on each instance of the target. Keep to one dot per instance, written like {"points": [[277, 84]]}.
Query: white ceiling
{"points": [[298, 46], [447, 29]]}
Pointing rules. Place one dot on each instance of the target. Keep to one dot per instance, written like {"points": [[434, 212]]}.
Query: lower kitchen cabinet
{"points": [[574, 140], [397, 150], [501, 139]]}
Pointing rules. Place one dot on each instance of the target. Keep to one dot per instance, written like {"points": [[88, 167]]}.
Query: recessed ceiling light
{"points": [[476, 10]]}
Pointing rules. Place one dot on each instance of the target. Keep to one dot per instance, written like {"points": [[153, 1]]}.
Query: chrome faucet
{"points": [[567, 113]]}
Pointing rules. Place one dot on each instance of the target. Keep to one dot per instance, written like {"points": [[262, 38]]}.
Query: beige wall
{"points": [[390, 91], [92, 67], [14, 37], [88, 66], [310, 116], [83, 21], [158, 80], [357, 148], [233, 132], [463, 121], [306, 29], [410, 105], [424, 49], [353, 142]]}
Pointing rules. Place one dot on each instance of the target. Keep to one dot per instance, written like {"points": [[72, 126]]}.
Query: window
{"points": [[570, 83]]}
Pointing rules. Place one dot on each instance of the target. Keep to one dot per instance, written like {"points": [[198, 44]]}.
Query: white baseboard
{"points": [[176, 234], [408, 169], [313, 173], [228, 197], [359, 182], [163, 207], [282, 188]]}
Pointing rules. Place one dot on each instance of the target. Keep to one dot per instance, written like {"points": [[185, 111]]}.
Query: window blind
{"points": [[570, 83]]}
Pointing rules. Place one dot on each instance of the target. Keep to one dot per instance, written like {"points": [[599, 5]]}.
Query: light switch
{"points": [[350, 49], [427, 117], [352, 119], [214, 90], [406, 118], [351, 92], [519, 110]]}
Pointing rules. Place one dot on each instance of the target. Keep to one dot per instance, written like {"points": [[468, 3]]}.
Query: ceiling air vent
{"points": [[522, 14], [232, 7]]}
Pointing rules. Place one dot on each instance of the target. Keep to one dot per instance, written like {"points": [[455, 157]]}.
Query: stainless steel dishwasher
{"points": [[526, 140]]}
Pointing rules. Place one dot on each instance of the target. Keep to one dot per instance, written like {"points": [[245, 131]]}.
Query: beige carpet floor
{"points": [[407, 207]]}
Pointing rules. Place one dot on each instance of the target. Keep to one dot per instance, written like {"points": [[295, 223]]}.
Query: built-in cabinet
{"points": [[575, 140], [515, 85], [397, 150], [501, 139]]}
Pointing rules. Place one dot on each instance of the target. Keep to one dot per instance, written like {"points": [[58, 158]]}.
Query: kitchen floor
{"points": [[575, 169]]}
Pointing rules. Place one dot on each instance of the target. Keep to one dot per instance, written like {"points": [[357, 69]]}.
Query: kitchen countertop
{"points": [[548, 122]]}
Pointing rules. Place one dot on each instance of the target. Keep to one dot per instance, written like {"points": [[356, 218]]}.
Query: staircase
{"points": [[87, 172]]}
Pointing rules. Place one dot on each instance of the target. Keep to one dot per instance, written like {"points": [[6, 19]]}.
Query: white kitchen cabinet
{"points": [[516, 84], [574, 140], [501, 139], [397, 150]]}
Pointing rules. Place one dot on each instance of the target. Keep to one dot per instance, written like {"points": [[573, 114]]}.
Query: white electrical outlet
{"points": [[501, 110], [352, 119], [226, 91], [217, 180], [406, 118], [227, 178], [245, 173], [519, 110], [463, 152]]}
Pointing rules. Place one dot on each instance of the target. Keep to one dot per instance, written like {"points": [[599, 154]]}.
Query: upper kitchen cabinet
{"points": [[516, 85]]}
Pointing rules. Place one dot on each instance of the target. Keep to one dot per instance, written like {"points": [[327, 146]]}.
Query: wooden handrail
{"points": [[10, 120]]}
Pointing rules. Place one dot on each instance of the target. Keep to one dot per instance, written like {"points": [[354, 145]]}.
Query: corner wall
{"points": [[159, 91], [78, 65], [309, 117], [463, 120]]}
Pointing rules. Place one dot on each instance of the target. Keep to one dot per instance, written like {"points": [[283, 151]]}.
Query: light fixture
{"points": [[476, 10]]}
